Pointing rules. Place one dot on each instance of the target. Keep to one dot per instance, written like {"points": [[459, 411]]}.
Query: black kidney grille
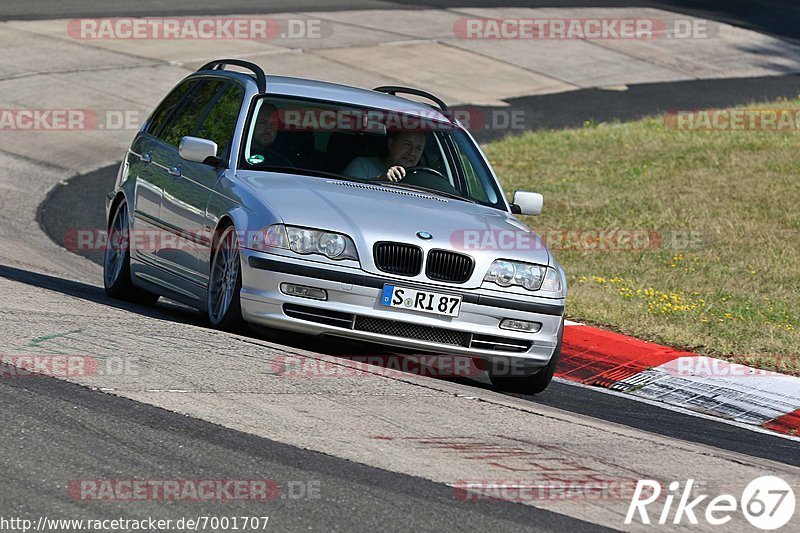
{"points": [[449, 266], [398, 258]]}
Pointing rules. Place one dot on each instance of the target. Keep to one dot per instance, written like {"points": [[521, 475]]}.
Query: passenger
{"points": [[404, 150]]}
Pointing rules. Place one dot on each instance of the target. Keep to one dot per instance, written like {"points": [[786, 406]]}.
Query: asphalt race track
{"points": [[67, 428]]}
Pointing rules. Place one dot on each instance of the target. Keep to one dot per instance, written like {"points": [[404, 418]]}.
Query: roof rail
{"points": [[219, 64], [393, 90]]}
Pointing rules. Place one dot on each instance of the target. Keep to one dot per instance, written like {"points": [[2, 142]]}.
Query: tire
{"points": [[534, 383], [225, 282], [117, 261]]}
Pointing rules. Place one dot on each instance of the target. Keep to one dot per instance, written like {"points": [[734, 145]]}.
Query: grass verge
{"points": [[713, 265]]}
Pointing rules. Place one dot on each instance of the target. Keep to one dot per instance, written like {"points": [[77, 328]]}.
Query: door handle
{"points": [[175, 171], [146, 157]]}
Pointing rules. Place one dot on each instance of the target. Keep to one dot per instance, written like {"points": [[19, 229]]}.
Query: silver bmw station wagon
{"points": [[332, 210]]}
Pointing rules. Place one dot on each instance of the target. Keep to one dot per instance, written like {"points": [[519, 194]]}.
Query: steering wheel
{"points": [[429, 170], [429, 177]]}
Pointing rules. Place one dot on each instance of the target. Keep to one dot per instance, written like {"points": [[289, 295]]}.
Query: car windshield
{"points": [[348, 142]]}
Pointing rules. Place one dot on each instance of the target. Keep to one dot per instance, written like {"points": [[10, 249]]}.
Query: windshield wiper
{"points": [[429, 190]]}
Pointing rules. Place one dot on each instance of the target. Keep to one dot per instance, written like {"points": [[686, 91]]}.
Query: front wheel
{"points": [[225, 282], [531, 384], [117, 261]]}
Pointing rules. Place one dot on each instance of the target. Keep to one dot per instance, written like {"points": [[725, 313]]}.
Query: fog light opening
{"points": [[302, 291], [520, 325]]}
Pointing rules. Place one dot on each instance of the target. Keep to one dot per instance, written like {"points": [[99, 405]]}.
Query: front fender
{"points": [[231, 201]]}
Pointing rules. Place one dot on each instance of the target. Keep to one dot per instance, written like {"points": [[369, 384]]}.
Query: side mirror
{"points": [[527, 203], [199, 150]]}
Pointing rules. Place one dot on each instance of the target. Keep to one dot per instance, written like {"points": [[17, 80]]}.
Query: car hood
{"points": [[370, 213]]}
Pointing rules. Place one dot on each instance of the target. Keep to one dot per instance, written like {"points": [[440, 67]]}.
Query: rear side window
{"points": [[185, 118], [164, 111], [220, 122]]}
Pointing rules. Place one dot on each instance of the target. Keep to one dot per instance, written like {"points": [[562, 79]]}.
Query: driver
{"points": [[265, 133], [405, 149]]}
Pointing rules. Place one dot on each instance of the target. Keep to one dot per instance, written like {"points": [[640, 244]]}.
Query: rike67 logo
{"points": [[767, 503]]}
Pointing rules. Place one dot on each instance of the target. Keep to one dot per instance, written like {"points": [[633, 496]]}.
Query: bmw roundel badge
{"points": [[424, 235]]}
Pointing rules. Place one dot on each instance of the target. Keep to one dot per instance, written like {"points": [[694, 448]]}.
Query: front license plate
{"points": [[423, 301]]}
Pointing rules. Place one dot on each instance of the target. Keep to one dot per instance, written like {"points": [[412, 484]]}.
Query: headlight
{"points": [[332, 244], [532, 277], [306, 241], [502, 273]]}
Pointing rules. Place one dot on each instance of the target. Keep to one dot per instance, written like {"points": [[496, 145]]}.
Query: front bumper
{"points": [[353, 310]]}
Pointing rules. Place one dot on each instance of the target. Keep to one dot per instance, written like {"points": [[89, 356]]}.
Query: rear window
{"points": [[164, 111], [220, 122]]}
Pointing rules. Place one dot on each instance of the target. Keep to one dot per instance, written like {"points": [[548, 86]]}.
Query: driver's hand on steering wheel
{"points": [[395, 173]]}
